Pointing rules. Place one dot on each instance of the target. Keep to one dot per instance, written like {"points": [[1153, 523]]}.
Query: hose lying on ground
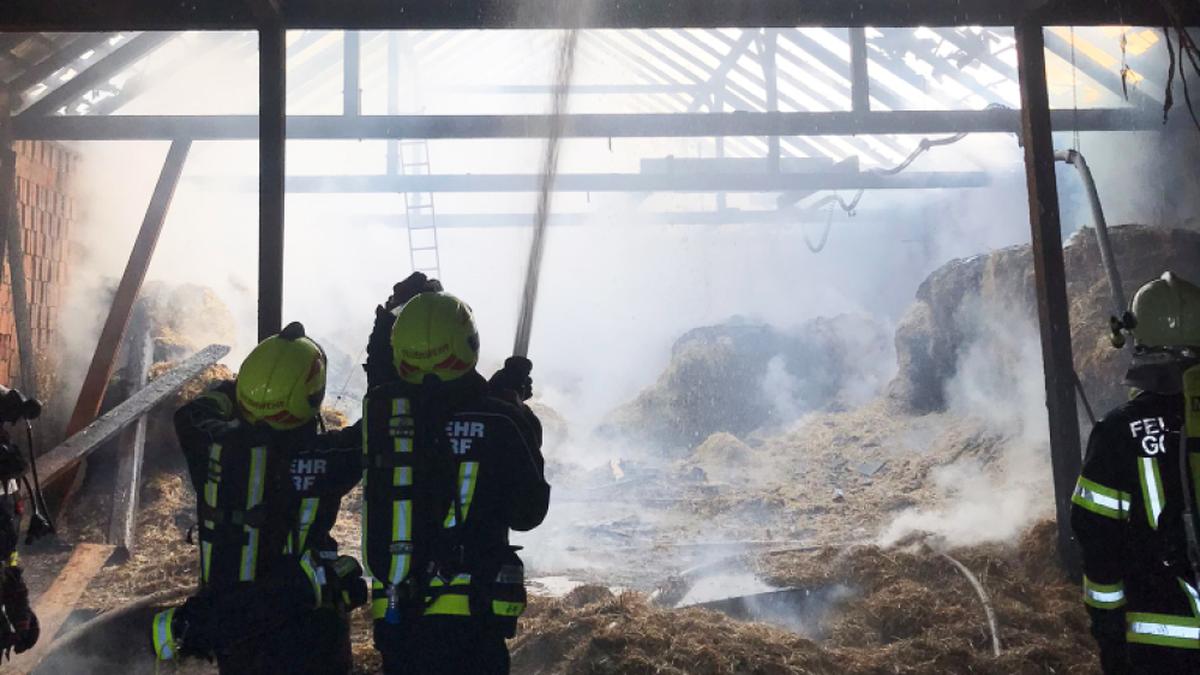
{"points": [[983, 597]]}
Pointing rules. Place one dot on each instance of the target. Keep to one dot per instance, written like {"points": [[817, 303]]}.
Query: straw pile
{"points": [[912, 613]]}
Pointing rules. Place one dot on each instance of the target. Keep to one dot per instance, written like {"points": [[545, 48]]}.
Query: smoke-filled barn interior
{"points": [[829, 298]]}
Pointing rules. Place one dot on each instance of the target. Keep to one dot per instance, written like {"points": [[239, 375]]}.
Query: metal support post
{"points": [[860, 80], [393, 98], [769, 44], [351, 74], [272, 121], [1050, 276]]}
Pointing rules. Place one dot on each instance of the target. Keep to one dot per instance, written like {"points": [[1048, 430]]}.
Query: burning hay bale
{"points": [[739, 377], [186, 317], [940, 325]]}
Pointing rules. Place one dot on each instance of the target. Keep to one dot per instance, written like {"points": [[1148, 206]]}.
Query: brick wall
{"points": [[46, 212]]}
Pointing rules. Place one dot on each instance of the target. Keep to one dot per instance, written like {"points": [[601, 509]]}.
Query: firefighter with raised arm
{"points": [[452, 464], [268, 486], [1133, 506]]}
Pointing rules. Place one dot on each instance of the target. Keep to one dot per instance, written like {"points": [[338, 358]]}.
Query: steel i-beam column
{"points": [[860, 80], [1050, 275], [272, 138], [351, 74]]}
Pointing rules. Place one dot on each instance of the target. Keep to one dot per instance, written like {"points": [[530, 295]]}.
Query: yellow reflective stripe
{"points": [[314, 577], [458, 580], [1163, 630], [452, 604], [1103, 596], [211, 486], [366, 559], [401, 533], [308, 514], [14, 559], [254, 495], [502, 608], [164, 641], [402, 476], [1192, 596], [378, 608], [1152, 489], [468, 475], [1101, 500], [205, 559]]}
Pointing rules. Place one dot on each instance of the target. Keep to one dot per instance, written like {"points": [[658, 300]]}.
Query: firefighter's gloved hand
{"points": [[218, 428], [20, 615], [414, 285], [349, 587], [514, 378]]}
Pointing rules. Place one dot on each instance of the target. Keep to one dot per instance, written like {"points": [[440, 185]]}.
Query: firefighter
{"points": [[451, 468], [1129, 504], [19, 629], [268, 488]]}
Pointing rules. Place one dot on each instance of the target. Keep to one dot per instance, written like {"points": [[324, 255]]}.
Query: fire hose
{"points": [[983, 598], [565, 71]]}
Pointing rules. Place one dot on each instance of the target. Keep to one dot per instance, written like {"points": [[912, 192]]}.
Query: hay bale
{"points": [[739, 377], [938, 327]]}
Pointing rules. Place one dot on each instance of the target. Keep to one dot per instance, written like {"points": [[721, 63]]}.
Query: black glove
{"points": [[347, 584], [414, 285], [513, 379], [1108, 627], [20, 615]]}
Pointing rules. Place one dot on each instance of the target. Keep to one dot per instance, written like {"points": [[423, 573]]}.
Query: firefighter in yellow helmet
{"points": [[451, 467], [1134, 504], [270, 576]]}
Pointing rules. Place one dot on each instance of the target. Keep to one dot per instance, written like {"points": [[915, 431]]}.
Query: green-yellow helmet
{"points": [[434, 334], [1166, 312], [282, 381]]}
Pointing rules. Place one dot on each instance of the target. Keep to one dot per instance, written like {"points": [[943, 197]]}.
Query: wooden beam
{"points": [[122, 524], [101, 71], [57, 603], [14, 243], [63, 456], [1051, 281], [648, 125], [95, 383], [89, 15]]}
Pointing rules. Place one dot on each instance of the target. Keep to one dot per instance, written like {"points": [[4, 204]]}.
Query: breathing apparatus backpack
{"points": [[245, 506]]}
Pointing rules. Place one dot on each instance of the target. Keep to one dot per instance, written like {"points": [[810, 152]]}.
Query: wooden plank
{"points": [[66, 454], [16, 254], [1051, 281], [131, 452], [57, 603]]}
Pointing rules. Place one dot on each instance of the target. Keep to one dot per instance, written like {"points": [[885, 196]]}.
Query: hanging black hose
{"points": [[40, 521]]}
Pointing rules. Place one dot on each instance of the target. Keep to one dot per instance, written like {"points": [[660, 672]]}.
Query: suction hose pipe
{"points": [[1075, 159]]}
